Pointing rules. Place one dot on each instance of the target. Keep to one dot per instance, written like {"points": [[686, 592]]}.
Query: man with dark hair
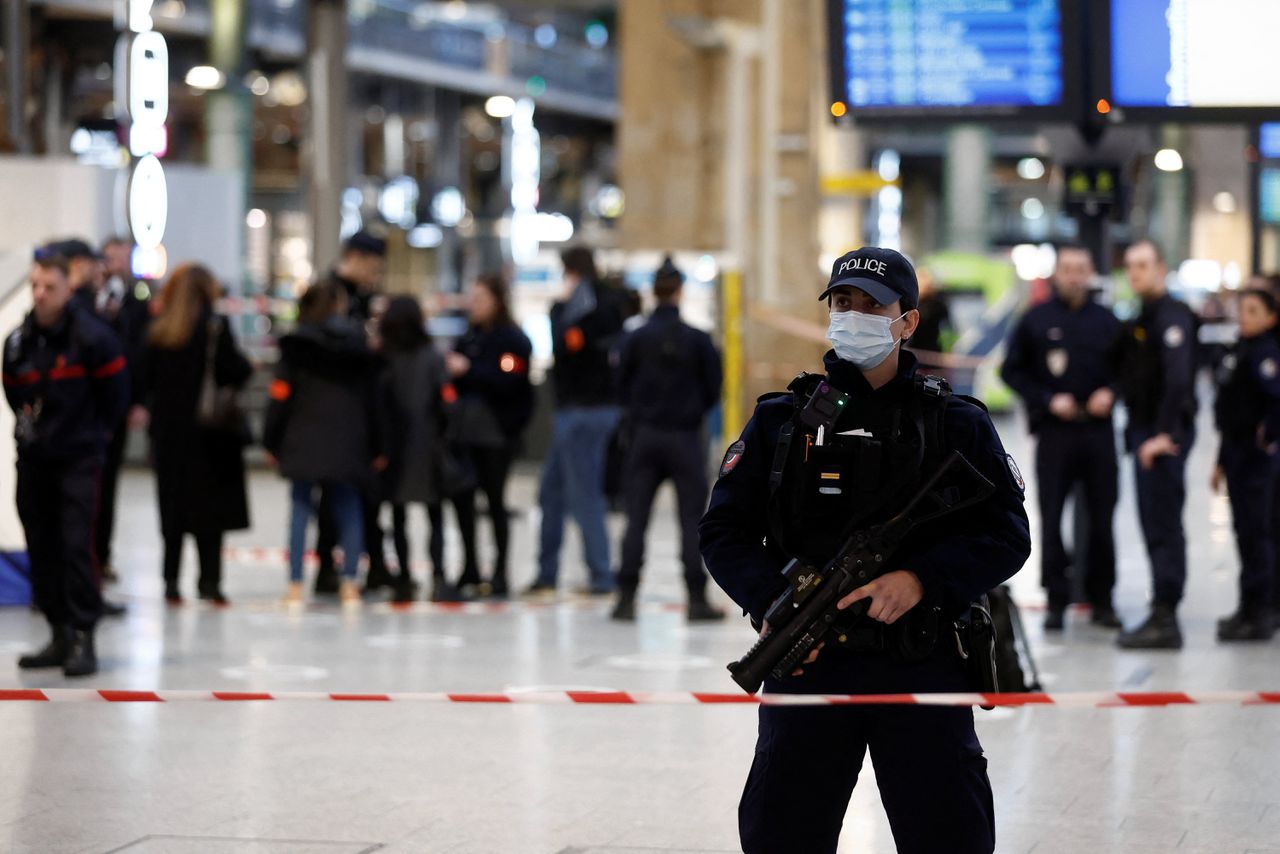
{"points": [[669, 378], [585, 324], [84, 271], [1156, 363], [66, 381], [359, 272], [1058, 361], [121, 301]]}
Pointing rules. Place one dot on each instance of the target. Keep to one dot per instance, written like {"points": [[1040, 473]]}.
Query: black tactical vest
{"points": [[858, 474]]}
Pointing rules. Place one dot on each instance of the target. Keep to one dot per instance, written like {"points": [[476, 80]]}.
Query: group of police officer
{"points": [[1071, 360], [66, 378]]}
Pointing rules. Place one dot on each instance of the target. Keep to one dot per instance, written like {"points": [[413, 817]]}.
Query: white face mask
{"points": [[863, 339]]}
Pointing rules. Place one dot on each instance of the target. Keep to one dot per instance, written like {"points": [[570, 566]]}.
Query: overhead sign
{"points": [[1092, 189], [1194, 55], [940, 55], [142, 89]]}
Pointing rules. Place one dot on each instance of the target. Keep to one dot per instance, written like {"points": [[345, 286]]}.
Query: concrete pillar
{"points": [[327, 93], [966, 188], [17, 36], [1171, 206], [448, 173], [228, 111]]}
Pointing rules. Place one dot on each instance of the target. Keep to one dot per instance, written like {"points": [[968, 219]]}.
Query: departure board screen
{"points": [[926, 56], [1217, 54]]}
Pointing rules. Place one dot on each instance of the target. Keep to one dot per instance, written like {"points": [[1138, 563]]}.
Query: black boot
{"points": [[378, 577], [443, 591], [625, 610], [702, 611], [498, 588], [81, 658], [114, 609], [1055, 618], [327, 579], [53, 654], [1160, 631], [1247, 626], [1105, 616]]}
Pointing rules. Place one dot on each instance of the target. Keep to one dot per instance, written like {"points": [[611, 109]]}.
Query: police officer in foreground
{"points": [[669, 378], [1156, 357], [895, 429], [66, 381], [1058, 361], [1247, 411]]}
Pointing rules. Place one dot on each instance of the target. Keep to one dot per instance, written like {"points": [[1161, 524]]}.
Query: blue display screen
{"points": [[947, 54], [1194, 53], [1269, 196], [1269, 140]]}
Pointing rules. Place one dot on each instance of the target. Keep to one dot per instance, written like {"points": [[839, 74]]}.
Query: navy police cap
{"points": [[884, 274]]}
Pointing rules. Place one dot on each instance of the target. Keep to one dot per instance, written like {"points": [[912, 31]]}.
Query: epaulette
{"points": [[932, 386], [801, 388]]}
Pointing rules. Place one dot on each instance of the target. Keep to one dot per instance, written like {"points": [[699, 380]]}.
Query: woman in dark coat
{"points": [[421, 470], [322, 427], [490, 368], [200, 474]]}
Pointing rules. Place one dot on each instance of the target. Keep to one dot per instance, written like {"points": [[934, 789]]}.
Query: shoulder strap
{"points": [[932, 393]]}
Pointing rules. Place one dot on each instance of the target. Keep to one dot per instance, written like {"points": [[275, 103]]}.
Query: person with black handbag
{"points": [[191, 374], [490, 368], [423, 467]]}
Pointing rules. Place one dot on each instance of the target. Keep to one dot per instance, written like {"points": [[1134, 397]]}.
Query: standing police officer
{"points": [[894, 430], [1059, 364], [66, 381], [1248, 416], [669, 378], [1157, 366]]}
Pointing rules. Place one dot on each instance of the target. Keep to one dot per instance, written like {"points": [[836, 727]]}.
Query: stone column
{"points": [[327, 92]]}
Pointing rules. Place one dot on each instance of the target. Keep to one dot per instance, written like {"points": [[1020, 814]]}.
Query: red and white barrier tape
{"points": [[1083, 699]]}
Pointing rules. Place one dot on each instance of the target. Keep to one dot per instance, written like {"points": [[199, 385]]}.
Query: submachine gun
{"points": [[806, 613]]}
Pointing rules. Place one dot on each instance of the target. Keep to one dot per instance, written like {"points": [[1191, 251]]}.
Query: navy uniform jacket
{"points": [[669, 373], [74, 377], [1057, 350], [1156, 360], [499, 374], [957, 560], [1247, 408]]}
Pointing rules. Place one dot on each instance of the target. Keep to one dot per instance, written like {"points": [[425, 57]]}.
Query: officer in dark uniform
{"points": [[1058, 362], [1248, 416], [122, 303], [669, 378], [66, 381], [1156, 357], [928, 762]]}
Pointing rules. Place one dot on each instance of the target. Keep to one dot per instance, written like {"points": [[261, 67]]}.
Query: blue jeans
{"points": [[348, 512], [573, 482]]}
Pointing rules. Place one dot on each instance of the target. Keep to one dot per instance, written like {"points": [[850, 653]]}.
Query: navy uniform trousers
{"points": [[1162, 494], [657, 455], [928, 763], [58, 503], [1251, 478], [1066, 455]]}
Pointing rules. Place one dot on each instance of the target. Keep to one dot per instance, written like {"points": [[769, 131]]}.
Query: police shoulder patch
{"points": [[732, 457], [1268, 369], [1015, 473], [1174, 337]]}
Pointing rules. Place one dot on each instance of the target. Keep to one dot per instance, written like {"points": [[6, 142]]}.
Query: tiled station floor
{"points": [[291, 777]]}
